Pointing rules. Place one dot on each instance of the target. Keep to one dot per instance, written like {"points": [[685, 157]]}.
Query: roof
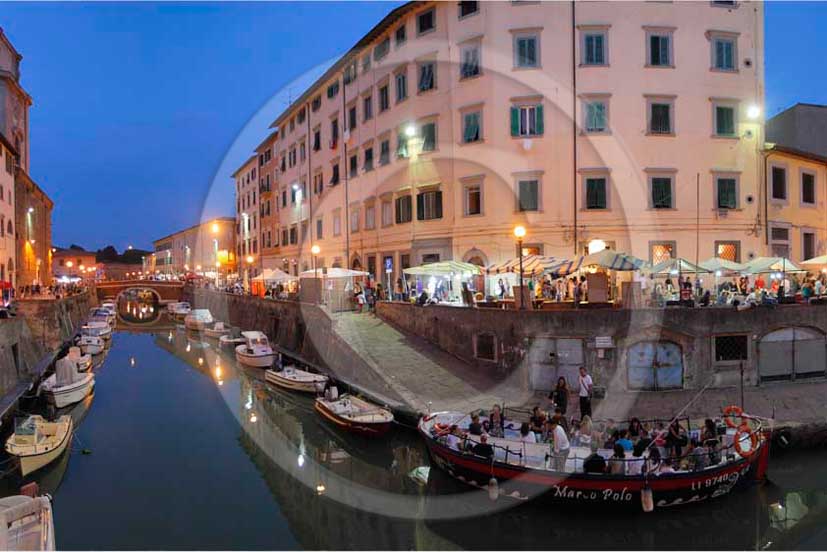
{"points": [[8, 43], [243, 165], [394, 16], [270, 138], [775, 148], [194, 226]]}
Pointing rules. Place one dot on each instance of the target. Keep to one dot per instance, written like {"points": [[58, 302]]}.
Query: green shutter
{"points": [[515, 121], [420, 206], [539, 114]]}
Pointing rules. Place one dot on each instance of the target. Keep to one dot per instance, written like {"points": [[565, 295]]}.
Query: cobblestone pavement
{"points": [[419, 371]]}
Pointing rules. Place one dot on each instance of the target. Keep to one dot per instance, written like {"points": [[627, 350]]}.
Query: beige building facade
{"points": [[635, 125], [207, 249], [248, 218]]}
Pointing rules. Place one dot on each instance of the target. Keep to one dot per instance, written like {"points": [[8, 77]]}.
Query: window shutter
{"points": [[515, 121], [539, 118], [420, 207], [438, 204]]}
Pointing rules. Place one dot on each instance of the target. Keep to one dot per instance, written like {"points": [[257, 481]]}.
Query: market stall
{"points": [[443, 280], [336, 287]]}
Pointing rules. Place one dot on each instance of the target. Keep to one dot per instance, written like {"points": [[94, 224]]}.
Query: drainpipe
{"points": [[766, 202], [574, 121]]}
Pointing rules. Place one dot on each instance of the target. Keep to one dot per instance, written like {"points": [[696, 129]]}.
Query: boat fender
{"points": [[730, 412], [646, 499], [493, 489], [744, 430]]}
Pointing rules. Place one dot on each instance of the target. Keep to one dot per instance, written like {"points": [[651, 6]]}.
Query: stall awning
{"points": [[335, 272], [273, 275], [444, 269], [715, 264], [817, 261], [677, 266], [533, 265], [771, 264], [607, 259]]}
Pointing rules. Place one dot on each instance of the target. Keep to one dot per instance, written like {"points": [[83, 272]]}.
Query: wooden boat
{"points": [[294, 379], [37, 442], [67, 386], [255, 351], [355, 415], [218, 330], [198, 319], [91, 345], [26, 523], [521, 471]]}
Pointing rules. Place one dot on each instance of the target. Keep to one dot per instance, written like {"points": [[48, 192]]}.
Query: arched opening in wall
{"points": [[478, 258], [654, 366], [792, 353], [356, 263], [139, 305]]}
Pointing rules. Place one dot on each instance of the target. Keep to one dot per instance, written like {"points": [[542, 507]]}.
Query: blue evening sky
{"points": [[142, 111]]}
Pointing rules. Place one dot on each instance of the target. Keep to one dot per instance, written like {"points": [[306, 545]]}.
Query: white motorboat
{"points": [[91, 345], [97, 329], [218, 330], [102, 315], [26, 523], [294, 379], [181, 308], [110, 306], [37, 442], [67, 386], [198, 319], [255, 351], [228, 341], [82, 362]]}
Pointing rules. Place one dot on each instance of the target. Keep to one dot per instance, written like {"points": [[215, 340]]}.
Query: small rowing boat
{"points": [[217, 331], [294, 379], [355, 415]]}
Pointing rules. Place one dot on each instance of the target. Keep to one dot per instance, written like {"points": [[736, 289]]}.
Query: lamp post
{"points": [[316, 250], [217, 272], [249, 260], [519, 233]]}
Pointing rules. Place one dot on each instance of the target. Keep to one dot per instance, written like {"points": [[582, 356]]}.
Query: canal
{"points": [[179, 448]]}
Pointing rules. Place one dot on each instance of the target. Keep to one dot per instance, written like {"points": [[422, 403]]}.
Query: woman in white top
{"points": [[526, 435]]}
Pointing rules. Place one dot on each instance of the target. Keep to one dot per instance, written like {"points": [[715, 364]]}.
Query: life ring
{"points": [[730, 412], [739, 437], [442, 429]]}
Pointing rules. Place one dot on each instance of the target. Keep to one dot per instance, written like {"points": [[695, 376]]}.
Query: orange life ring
{"points": [[442, 429], [744, 429], [730, 412]]}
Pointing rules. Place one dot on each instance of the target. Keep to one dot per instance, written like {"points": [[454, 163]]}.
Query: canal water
{"points": [[179, 448]]}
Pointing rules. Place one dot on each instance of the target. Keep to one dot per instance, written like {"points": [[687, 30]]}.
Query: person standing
{"points": [[586, 384], [559, 445]]}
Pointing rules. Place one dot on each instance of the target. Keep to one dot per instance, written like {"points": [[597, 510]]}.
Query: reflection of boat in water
{"points": [[198, 319], [217, 331]]}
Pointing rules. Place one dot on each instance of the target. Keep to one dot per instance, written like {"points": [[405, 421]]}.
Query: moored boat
{"points": [[67, 386], [255, 351], [228, 341], [294, 379], [26, 523], [355, 414], [198, 319], [218, 330], [91, 345], [179, 309], [97, 329], [522, 471], [98, 314], [82, 361], [38, 442]]}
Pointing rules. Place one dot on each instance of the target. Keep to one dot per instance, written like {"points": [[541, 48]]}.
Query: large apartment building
{"points": [[632, 125], [206, 249], [247, 221]]}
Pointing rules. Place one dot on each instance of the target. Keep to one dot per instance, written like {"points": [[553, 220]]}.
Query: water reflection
{"points": [[139, 306]]}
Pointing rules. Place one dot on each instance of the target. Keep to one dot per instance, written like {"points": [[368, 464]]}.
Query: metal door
{"points": [[549, 358], [654, 365], [792, 353]]}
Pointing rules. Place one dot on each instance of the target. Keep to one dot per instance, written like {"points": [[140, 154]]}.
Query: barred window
{"points": [[731, 348]]}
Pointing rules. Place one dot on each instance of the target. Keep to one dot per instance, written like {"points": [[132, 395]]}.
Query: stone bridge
{"points": [[168, 292]]}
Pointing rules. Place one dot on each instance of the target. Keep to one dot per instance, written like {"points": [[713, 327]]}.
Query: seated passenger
{"points": [[526, 435], [634, 428], [454, 438], [697, 456], [537, 420], [656, 464], [495, 424], [583, 435], [624, 441], [475, 428], [617, 463], [634, 466], [483, 448], [594, 463]]}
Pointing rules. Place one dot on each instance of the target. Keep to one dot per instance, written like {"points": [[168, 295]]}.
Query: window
{"points": [[354, 166], [428, 133], [387, 213], [527, 120], [318, 183], [370, 217], [382, 49], [596, 114], [403, 209], [470, 66], [429, 205], [723, 53], [334, 133], [292, 124], [301, 116], [400, 36], [367, 108], [284, 237], [596, 193], [660, 117], [808, 189], [337, 223], [661, 251], [468, 8], [385, 152], [661, 192], [317, 139], [349, 73], [384, 99], [485, 346], [526, 50], [427, 76], [366, 64], [731, 348], [426, 22], [724, 120], [808, 245], [727, 192], [528, 195], [332, 90], [780, 241], [401, 144], [660, 48], [594, 48], [471, 127], [319, 229], [294, 235], [728, 250], [368, 159], [779, 183], [351, 118], [302, 152], [354, 220], [401, 86], [334, 177], [473, 199]]}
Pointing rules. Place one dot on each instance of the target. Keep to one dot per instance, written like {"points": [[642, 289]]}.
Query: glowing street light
{"points": [[215, 228], [753, 112], [410, 131], [519, 233], [69, 264]]}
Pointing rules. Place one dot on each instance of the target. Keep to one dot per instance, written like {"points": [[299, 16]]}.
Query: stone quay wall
{"points": [[53, 322]]}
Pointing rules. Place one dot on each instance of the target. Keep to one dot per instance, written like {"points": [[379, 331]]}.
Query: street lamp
{"points": [[249, 260], [519, 233]]}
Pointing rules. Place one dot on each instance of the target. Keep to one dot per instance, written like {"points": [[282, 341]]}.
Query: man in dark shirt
{"points": [[594, 464], [475, 427], [483, 448]]}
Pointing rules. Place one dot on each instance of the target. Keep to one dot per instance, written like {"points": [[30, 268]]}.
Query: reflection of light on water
{"points": [[200, 361], [253, 418], [218, 372], [249, 404], [132, 361], [169, 337], [786, 515], [320, 488], [189, 347], [300, 460]]}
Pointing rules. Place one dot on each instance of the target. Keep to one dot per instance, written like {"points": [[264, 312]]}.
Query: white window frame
{"points": [[731, 104], [594, 30], [530, 111], [337, 222], [715, 36], [469, 182], [387, 209], [660, 31], [732, 175], [589, 99], [522, 34], [370, 216], [354, 220]]}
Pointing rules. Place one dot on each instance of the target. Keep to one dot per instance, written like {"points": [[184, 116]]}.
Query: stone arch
{"points": [[356, 263], [476, 256], [792, 352]]}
